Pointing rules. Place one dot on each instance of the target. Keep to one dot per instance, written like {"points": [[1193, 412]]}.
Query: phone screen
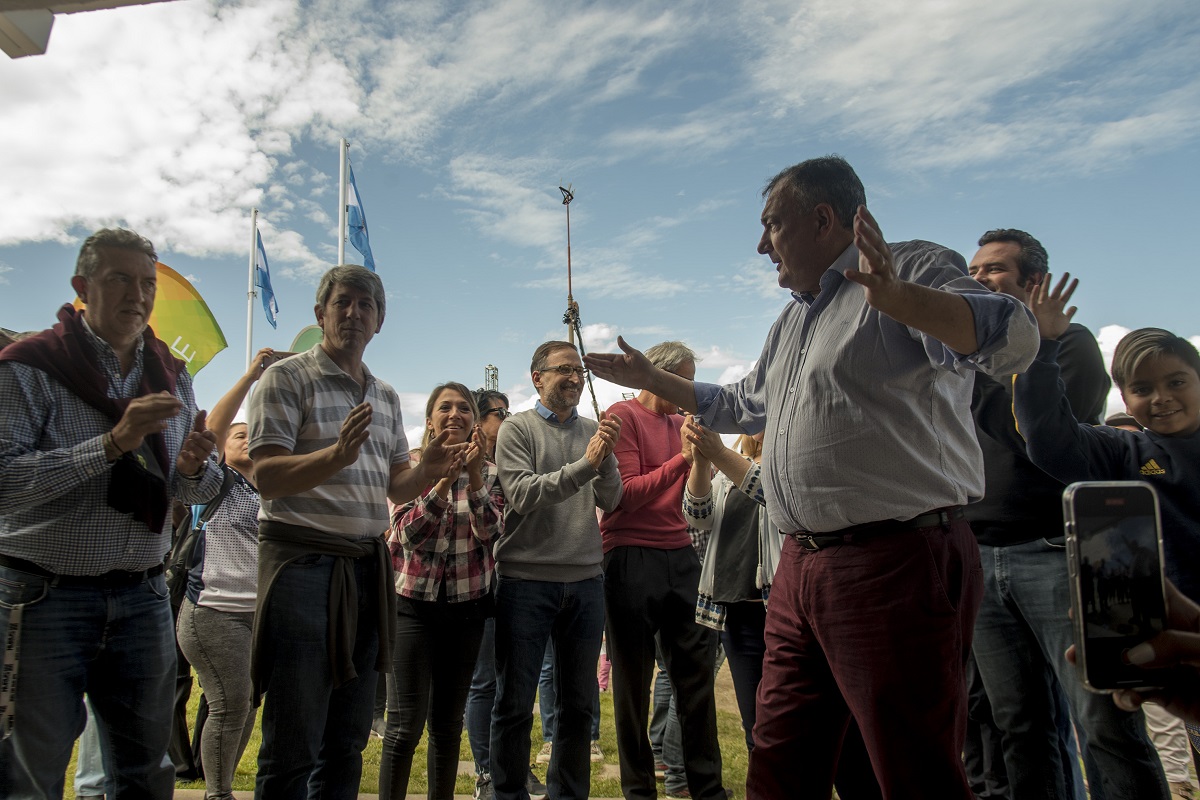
{"points": [[1120, 579]]}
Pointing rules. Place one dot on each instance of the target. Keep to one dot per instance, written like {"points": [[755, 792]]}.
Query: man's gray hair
{"points": [[89, 255], [356, 277], [829, 179], [669, 355]]}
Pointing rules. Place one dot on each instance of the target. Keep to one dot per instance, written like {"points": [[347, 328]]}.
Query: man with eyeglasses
{"points": [[556, 469], [493, 410]]}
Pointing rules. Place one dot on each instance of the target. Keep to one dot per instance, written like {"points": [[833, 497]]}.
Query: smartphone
{"points": [[279, 355], [1114, 560]]}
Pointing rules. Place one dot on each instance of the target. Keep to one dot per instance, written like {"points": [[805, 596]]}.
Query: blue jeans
{"points": [[115, 644], [313, 734], [528, 614], [89, 767], [1021, 633], [481, 699], [666, 740], [548, 699]]}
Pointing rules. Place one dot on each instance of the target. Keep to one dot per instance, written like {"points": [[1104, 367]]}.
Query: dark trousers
{"points": [[744, 649], [313, 732], [651, 593], [880, 631], [482, 698], [433, 657]]}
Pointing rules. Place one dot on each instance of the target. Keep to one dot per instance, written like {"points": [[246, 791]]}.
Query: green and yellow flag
{"points": [[182, 319]]}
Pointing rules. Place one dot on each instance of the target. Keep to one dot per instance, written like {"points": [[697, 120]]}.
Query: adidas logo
{"points": [[1151, 467]]}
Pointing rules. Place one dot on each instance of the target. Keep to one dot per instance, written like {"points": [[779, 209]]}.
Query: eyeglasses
{"points": [[499, 411], [566, 370]]}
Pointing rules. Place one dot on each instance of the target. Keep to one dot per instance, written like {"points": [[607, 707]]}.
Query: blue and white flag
{"points": [[356, 221], [262, 280]]}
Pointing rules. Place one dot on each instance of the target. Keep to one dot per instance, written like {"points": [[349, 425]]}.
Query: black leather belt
{"points": [[816, 541], [109, 580]]}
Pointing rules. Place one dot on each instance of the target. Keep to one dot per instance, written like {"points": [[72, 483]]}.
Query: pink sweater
{"points": [[653, 472]]}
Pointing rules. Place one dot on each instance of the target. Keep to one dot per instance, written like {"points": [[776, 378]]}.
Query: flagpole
{"points": [[343, 153], [250, 293]]}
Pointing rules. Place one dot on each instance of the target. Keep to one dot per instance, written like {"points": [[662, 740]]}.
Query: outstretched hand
{"points": [[876, 267], [630, 368], [1049, 306]]}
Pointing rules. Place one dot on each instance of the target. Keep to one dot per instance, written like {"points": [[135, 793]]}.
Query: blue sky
{"points": [[1077, 120]]}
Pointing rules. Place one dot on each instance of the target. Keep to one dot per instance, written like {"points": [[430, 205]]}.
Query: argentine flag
{"points": [[262, 280], [356, 221]]}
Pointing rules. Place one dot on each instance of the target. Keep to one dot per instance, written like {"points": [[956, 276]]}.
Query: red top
{"points": [[653, 472]]}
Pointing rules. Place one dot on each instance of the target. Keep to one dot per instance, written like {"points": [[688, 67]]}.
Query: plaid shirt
{"points": [[54, 475], [435, 542]]}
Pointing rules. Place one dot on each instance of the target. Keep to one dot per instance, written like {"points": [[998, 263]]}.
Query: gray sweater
{"points": [[551, 493]]}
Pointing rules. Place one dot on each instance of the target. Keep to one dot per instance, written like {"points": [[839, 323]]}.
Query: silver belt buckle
{"points": [[806, 541]]}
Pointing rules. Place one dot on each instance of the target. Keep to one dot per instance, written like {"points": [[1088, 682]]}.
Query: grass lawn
{"points": [[729, 729]]}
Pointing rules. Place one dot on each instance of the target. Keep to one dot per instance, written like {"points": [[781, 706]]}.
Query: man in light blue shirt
{"points": [[863, 389]]}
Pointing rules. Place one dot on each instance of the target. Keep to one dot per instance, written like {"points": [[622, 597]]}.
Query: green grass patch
{"points": [[729, 729]]}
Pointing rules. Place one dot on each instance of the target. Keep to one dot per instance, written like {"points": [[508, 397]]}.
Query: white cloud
{"points": [[508, 199], [735, 372], [612, 280], [176, 118], [712, 129], [173, 136], [1021, 82], [716, 357], [3, 269], [600, 337], [424, 66], [758, 276]]}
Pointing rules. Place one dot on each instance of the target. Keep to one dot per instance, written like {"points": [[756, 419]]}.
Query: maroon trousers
{"points": [[879, 630]]}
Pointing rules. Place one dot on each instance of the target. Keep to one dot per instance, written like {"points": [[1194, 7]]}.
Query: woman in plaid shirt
{"points": [[441, 545]]}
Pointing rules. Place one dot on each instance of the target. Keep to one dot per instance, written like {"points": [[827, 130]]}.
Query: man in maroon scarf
{"points": [[98, 431]]}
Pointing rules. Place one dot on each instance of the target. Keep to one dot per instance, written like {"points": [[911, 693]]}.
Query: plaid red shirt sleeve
{"points": [[436, 542]]}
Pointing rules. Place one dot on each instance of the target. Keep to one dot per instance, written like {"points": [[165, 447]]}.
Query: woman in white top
{"points": [[217, 615]]}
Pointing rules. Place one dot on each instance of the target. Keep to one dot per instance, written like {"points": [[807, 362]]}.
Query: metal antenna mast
{"points": [[571, 317], [572, 306]]}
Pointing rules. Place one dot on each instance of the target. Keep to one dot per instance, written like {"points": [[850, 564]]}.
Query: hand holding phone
{"points": [[1114, 561], [1175, 656]]}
